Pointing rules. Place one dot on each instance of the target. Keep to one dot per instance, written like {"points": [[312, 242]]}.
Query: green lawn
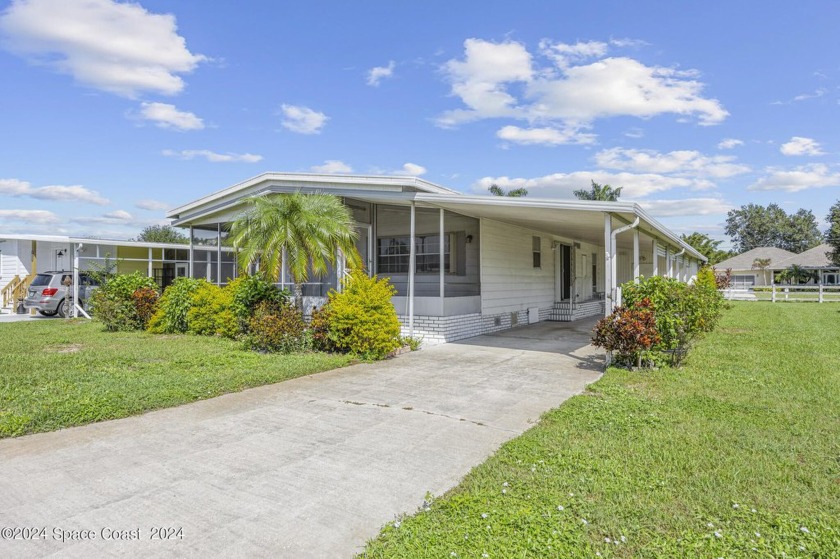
{"points": [[57, 373], [735, 455]]}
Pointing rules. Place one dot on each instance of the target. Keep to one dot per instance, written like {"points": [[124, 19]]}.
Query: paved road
{"points": [[311, 467]]}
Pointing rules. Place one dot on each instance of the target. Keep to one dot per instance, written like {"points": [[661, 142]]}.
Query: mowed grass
{"points": [[735, 455], [57, 373]]}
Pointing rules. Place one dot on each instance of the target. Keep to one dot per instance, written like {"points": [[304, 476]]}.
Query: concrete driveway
{"points": [[312, 467]]}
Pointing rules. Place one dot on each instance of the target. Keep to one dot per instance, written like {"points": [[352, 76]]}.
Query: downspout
{"points": [[614, 260]]}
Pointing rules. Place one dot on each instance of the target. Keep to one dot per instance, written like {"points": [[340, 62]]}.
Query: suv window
{"points": [[41, 280]]}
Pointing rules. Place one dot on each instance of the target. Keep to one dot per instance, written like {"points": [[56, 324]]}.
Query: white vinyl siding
{"points": [[509, 281]]}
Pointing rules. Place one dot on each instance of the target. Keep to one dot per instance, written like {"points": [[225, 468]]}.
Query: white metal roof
{"points": [[583, 218], [325, 181], [108, 242]]}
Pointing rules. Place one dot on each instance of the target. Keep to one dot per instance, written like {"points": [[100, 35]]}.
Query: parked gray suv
{"points": [[47, 293]]}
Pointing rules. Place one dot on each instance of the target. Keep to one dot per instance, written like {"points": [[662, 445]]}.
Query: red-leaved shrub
{"points": [[628, 331]]}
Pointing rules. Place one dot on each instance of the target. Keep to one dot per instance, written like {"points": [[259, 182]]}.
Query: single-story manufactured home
{"points": [[24, 256], [465, 265], [747, 270]]}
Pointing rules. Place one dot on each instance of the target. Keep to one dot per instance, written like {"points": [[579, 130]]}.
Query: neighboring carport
{"points": [[312, 467]]}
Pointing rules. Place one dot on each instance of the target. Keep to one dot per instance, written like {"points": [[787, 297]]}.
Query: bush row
{"points": [[360, 319], [659, 319]]}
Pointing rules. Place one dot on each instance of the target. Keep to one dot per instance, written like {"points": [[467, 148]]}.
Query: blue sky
{"points": [[114, 111]]}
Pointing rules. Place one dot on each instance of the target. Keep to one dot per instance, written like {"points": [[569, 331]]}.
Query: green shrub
{"points": [[682, 311], [173, 306], [361, 319], [211, 312], [249, 291], [113, 302], [277, 329]]}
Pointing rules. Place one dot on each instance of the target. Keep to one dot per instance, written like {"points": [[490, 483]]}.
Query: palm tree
{"points": [[307, 229], [762, 264], [600, 192], [797, 273], [497, 190]]}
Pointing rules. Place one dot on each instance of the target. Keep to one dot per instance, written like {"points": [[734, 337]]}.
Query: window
{"points": [[393, 254], [536, 247], [743, 281]]}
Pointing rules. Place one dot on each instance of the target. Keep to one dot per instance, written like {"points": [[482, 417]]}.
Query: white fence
{"points": [[783, 293]]}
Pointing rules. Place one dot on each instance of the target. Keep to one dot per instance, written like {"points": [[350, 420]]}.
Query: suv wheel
{"points": [[63, 308]]}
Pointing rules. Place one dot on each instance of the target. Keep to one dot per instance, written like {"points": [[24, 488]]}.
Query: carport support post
{"points": [[74, 312], [608, 279], [218, 254], [635, 256], [440, 256], [412, 256], [190, 274]]}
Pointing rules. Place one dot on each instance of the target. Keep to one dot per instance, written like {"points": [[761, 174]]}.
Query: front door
{"points": [[563, 273], [181, 270]]}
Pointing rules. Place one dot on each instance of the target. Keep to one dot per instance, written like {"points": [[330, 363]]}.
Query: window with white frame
{"points": [[393, 254]]}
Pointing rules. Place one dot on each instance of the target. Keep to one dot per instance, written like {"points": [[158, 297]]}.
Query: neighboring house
{"points": [[23, 256], [815, 259], [464, 265], [744, 274]]}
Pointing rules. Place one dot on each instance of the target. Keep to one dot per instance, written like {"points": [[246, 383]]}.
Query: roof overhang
{"points": [[288, 182], [581, 219]]}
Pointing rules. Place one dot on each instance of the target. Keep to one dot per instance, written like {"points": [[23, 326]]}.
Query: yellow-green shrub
{"points": [[211, 312], [362, 319], [173, 306]]}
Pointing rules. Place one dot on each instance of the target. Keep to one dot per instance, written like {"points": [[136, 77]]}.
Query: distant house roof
{"points": [[744, 261], [813, 258]]}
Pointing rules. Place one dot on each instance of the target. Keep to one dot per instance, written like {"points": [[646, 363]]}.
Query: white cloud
{"points": [[562, 185], [729, 143], [212, 156], [332, 166], [805, 96], [479, 80], [635, 133], [119, 215], [502, 80], [681, 162], [564, 54], [74, 193], [303, 119], [799, 178], [544, 136], [117, 47], [14, 187], [411, 169], [30, 216], [165, 115], [152, 205], [379, 73], [686, 207], [801, 146]]}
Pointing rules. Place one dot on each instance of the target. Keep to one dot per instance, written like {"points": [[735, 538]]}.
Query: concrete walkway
{"points": [[312, 467]]}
